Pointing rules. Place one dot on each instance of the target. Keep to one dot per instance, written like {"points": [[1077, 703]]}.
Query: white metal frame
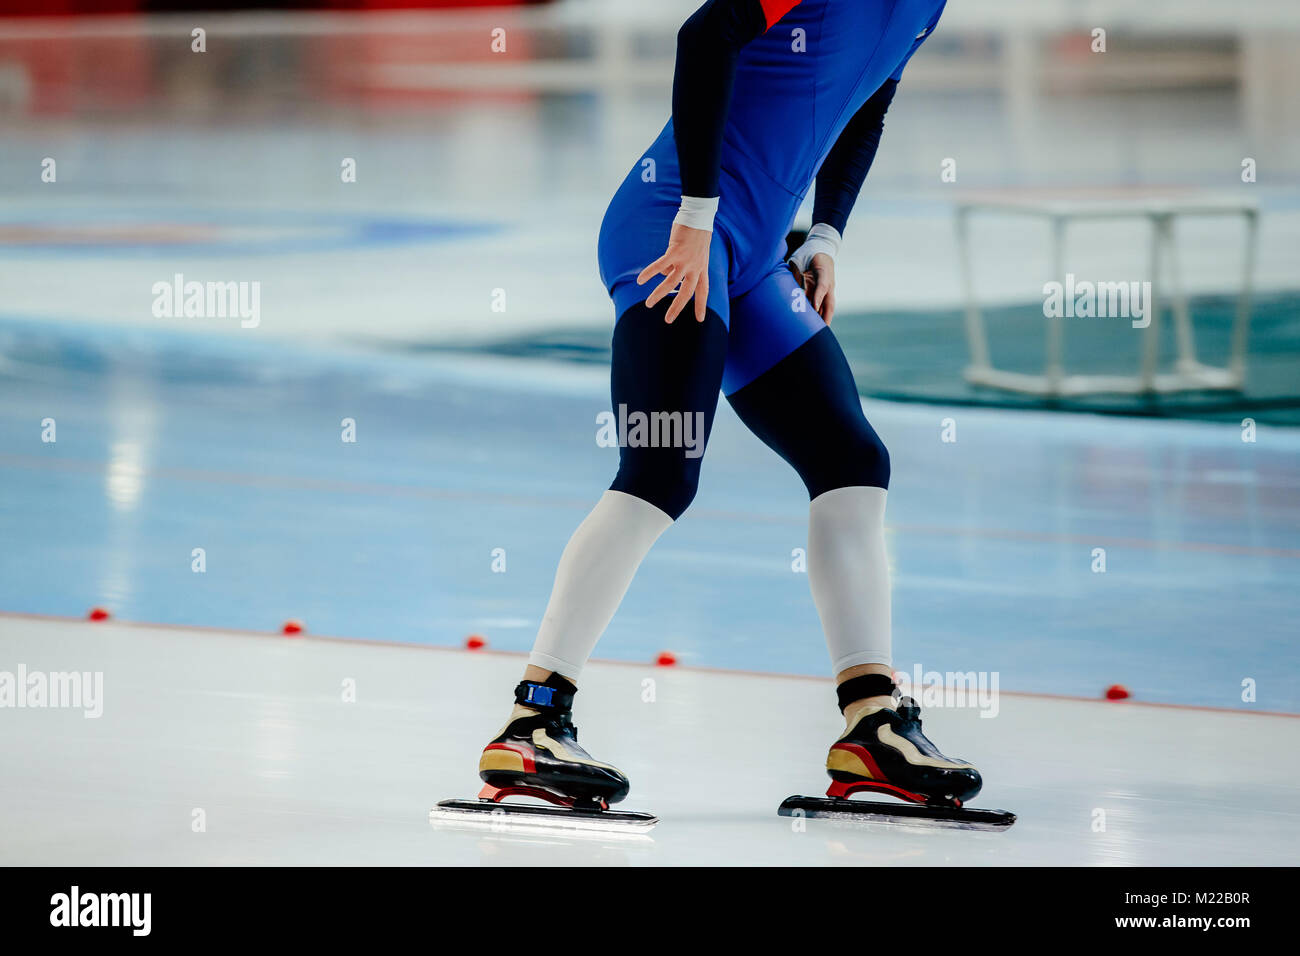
{"points": [[1187, 373]]}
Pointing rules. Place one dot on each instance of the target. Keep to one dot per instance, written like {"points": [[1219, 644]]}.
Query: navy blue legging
{"points": [[805, 407]]}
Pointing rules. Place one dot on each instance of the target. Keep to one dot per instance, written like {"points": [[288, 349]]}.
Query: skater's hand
{"points": [[686, 268], [818, 283]]}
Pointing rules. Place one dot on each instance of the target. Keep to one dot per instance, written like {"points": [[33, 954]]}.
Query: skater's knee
{"points": [[852, 455], [866, 459], [668, 482]]}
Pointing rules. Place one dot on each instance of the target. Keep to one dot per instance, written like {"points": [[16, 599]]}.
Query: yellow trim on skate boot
{"points": [[501, 760], [847, 762]]}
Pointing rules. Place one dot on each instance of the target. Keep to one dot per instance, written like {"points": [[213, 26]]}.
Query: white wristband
{"points": [[821, 238], [697, 213]]}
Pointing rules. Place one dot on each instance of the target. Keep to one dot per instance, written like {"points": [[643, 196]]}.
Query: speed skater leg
{"points": [[664, 385], [801, 400]]}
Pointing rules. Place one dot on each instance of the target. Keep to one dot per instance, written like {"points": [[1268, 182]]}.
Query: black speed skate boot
{"points": [[537, 755], [883, 750]]}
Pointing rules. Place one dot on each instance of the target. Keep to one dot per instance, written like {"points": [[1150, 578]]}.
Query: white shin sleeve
{"points": [[848, 572], [595, 570]]}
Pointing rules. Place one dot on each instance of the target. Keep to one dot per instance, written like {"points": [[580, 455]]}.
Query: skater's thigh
{"points": [[789, 382], [664, 382]]}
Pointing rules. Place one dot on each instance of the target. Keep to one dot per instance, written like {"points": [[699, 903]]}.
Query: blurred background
{"points": [[503, 158], [142, 141]]}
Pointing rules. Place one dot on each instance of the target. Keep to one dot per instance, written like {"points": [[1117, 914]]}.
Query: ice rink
{"points": [[252, 731], [393, 539]]}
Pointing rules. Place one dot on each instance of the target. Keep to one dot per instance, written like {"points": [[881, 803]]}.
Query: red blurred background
{"points": [[87, 7]]}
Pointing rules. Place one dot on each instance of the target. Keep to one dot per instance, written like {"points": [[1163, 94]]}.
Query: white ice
{"points": [[252, 735]]}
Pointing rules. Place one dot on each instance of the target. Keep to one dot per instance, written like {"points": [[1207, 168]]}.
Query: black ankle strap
{"points": [[868, 685], [553, 697]]}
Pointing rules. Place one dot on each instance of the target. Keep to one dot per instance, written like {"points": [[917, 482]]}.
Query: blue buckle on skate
{"points": [[543, 697], [536, 694]]}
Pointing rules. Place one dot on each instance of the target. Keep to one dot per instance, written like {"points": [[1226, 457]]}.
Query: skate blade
{"points": [[904, 814], [523, 817]]}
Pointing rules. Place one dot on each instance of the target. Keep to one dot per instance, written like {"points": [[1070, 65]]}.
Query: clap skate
{"points": [[538, 756], [884, 751]]}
